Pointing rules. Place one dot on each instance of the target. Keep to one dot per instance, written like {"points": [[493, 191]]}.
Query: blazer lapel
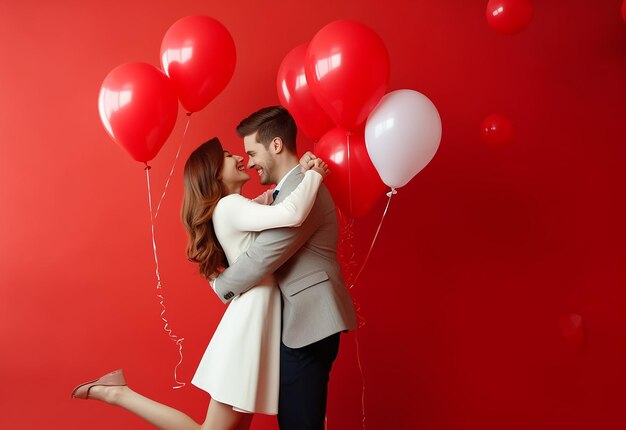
{"points": [[289, 185]]}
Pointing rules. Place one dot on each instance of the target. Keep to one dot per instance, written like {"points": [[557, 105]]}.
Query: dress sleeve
{"points": [[246, 215]]}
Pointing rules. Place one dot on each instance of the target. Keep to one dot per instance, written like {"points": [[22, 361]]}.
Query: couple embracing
{"points": [[274, 259]]}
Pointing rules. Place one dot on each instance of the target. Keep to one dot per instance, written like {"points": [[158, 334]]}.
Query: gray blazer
{"points": [[303, 259]]}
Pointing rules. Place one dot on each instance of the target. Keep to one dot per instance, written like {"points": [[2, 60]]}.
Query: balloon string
{"points": [[349, 171], [347, 234], [173, 166], [347, 257], [358, 359], [346, 245], [178, 341], [389, 194]]}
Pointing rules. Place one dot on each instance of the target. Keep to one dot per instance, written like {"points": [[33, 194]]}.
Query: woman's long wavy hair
{"points": [[202, 191]]}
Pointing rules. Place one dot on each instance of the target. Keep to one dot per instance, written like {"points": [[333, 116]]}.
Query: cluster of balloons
{"points": [[138, 103], [334, 87]]}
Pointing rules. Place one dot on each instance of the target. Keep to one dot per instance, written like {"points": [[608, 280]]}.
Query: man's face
{"points": [[259, 159]]}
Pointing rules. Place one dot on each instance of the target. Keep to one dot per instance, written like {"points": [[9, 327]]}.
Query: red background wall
{"points": [[479, 259]]}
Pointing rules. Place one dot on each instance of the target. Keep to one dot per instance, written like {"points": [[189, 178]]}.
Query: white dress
{"points": [[241, 364]]}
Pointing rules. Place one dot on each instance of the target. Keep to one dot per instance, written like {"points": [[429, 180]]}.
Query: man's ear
{"points": [[276, 145]]}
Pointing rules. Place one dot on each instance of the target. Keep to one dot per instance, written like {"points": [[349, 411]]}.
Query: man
{"points": [[316, 303]]}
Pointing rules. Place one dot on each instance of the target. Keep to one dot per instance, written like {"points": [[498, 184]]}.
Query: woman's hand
{"points": [[309, 161], [320, 167], [306, 161]]}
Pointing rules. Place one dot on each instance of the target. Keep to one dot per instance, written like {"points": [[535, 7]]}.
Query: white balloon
{"points": [[402, 134]]}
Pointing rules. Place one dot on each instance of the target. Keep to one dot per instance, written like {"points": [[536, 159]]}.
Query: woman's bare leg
{"points": [[221, 416], [161, 416]]}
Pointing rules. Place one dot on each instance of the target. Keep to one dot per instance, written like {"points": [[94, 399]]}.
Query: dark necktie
{"points": [[274, 194]]}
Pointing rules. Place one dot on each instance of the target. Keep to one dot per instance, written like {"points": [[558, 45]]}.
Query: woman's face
{"points": [[233, 172]]}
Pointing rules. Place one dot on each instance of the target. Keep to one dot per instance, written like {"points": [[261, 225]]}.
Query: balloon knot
{"points": [[392, 192], [189, 113], [147, 167]]}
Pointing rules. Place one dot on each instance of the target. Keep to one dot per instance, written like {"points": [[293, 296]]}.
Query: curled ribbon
{"points": [[159, 286], [346, 239]]}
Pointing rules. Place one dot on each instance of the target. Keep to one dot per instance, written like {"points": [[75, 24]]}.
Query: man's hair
{"points": [[270, 122]]}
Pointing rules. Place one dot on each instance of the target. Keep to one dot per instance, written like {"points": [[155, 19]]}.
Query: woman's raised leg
{"points": [[161, 416], [221, 416]]}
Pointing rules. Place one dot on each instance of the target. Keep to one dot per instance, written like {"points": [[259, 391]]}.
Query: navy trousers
{"points": [[304, 374]]}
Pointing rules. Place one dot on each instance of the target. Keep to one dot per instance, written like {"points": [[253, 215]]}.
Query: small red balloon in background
{"points": [[347, 69], [353, 182], [138, 108], [497, 129], [295, 95], [624, 10], [198, 54], [509, 16]]}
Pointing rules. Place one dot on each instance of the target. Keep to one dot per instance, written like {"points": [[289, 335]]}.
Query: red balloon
{"points": [[353, 182], [138, 107], [295, 95], [497, 129], [347, 68], [509, 16], [624, 10], [198, 54]]}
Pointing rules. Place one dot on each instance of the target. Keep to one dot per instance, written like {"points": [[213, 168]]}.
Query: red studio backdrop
{"points": [[494, 297]]}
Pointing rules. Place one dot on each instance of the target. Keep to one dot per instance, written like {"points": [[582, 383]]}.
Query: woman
{"points": [[220, 224]]}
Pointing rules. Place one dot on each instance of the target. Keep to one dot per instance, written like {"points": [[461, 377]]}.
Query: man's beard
{"points": [[264, 178]]}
